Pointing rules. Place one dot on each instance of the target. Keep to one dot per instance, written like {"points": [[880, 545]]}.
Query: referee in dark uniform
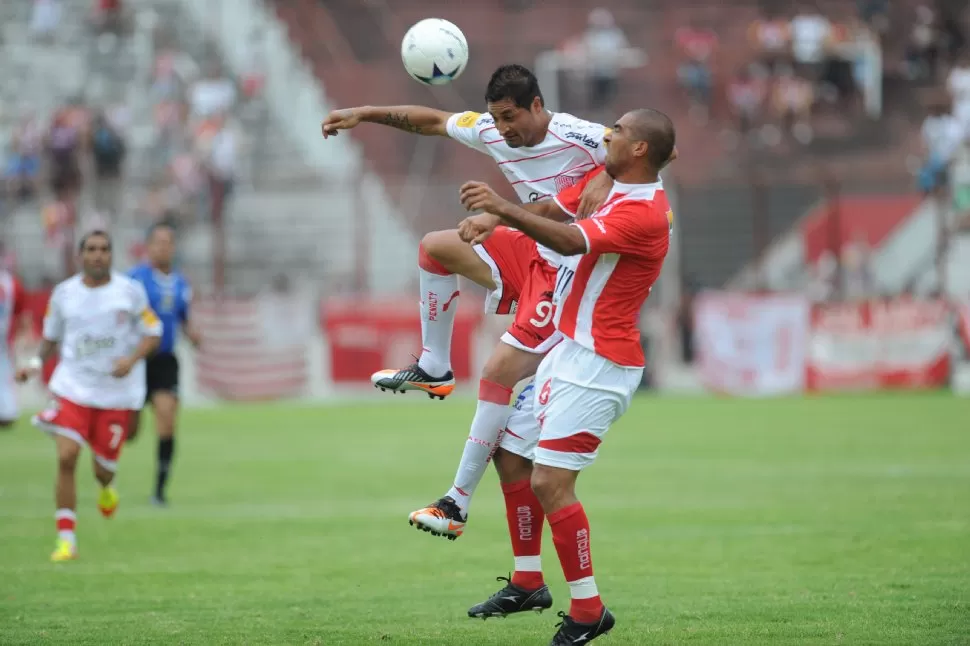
{"points": [[169, 295]]}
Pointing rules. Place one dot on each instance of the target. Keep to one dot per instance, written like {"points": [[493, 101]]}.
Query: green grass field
{"points": [[841, 520]]}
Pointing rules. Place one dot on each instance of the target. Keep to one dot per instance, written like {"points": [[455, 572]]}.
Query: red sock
{"points": [[570, 533], [525, 516]]}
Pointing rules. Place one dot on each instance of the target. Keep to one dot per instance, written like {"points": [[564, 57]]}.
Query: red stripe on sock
{"points": [[525, 518], [429, 264], [489, 391], [65, 524], [570, 534]]}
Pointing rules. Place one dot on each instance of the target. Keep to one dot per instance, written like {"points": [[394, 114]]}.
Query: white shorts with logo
{"points": [[521, 434], [8, 390], [578, 394]]}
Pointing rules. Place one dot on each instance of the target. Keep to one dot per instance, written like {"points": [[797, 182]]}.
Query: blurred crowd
{"points": [[77, 163]]}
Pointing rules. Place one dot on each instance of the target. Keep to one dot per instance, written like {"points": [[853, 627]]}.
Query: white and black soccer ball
{"points": [[434, 51]]}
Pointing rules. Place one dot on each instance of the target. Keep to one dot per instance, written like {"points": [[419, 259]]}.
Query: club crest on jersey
{"points": [[563, 182]]}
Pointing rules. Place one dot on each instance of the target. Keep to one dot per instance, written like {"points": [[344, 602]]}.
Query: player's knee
{"points": [[439, 246], [67, 460], [550, 487], [508, 366], [511, 467]]}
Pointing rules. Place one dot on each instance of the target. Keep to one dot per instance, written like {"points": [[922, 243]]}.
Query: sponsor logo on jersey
{"points": [[88, 345], [563, 182], [467, 119], [586, 140]]}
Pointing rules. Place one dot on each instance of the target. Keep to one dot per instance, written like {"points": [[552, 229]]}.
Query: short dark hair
{"points": [[157, 227], [515, 83], [96, 233], [655, 128]]}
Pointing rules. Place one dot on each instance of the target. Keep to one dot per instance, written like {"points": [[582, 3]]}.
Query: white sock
{"points": [[488, 424], [584, 588], [439, 302], [66, 516]]}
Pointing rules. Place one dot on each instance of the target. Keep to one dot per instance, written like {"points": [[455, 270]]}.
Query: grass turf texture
{"points": [[842, 520]]}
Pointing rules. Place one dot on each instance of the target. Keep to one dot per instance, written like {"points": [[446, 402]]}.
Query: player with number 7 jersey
{"points": [[104, 328]]}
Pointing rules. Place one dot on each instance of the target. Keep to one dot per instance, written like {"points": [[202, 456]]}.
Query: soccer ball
{"points": [[434, 51]]}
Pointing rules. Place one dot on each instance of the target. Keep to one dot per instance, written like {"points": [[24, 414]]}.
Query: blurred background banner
{"points": [[824, 162]]}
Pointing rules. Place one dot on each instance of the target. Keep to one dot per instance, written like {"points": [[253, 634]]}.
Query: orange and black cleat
{"points": [[414, 378]]}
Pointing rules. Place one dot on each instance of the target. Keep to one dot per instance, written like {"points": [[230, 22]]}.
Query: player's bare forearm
{"points": [[558, 236], [145, 347], [415, 119], [547, 209]]}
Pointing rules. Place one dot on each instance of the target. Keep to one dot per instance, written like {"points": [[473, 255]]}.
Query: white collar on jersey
{"points": [[644, 191]]}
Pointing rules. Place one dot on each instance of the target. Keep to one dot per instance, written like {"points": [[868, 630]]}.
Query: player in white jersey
{"points": [[610, 263], [12, 322], [540, 153], [104, 328]]}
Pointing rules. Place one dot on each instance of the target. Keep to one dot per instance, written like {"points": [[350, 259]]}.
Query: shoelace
{"points": [[562, 615], [508, 582]]}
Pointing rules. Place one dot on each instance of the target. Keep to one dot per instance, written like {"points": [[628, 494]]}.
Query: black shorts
{"points": [[161, 374]]}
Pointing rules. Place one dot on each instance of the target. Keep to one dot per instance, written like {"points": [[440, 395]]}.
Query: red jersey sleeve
{"points": [[568, 199], [630, 228]]}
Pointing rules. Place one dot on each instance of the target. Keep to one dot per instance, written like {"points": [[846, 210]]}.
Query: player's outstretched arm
{"points": [[475, 229], [416, 119]]}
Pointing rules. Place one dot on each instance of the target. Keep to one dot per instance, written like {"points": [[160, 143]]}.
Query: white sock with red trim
{"points": [[439, 302], [489, 422]]}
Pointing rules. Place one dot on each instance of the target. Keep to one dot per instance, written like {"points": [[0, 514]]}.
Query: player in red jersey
{"points": [[610, 262]]}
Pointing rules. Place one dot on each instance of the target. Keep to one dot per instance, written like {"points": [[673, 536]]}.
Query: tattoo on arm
{"points": [[401, 122]]}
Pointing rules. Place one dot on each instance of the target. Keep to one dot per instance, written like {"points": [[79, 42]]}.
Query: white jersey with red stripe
{"points": [[571, 148], [599, 294], [95, 327]]}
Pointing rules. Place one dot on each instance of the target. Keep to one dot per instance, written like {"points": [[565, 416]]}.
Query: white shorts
{"points": [[578, 394], [521, 434], [8, 391]]}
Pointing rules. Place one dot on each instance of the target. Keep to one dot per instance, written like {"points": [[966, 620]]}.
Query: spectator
{"points": [[604, 44], [793, 98], [942, 136], [810, 34], [108, 149], [23, 162], [746, 96], [696, 45], [108, 16], [254, 76], [212, 94], [923, 50], [220, 156], [771, 38], [958, 85], [63, 150]]}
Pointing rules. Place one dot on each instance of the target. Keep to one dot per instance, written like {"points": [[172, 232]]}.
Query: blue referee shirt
{"points": [[169, 295]]}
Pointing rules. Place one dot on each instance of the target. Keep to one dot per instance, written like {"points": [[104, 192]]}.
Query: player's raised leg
{"points": [[65, 498], [526, 588], [505, 368], [442, 257]]}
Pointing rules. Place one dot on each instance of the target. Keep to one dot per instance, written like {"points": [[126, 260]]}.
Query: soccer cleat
{"points": [[510, 600], [443, 517], [414, 378], [158, 501], [572, 632], [108, 501], [64, 550]]}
